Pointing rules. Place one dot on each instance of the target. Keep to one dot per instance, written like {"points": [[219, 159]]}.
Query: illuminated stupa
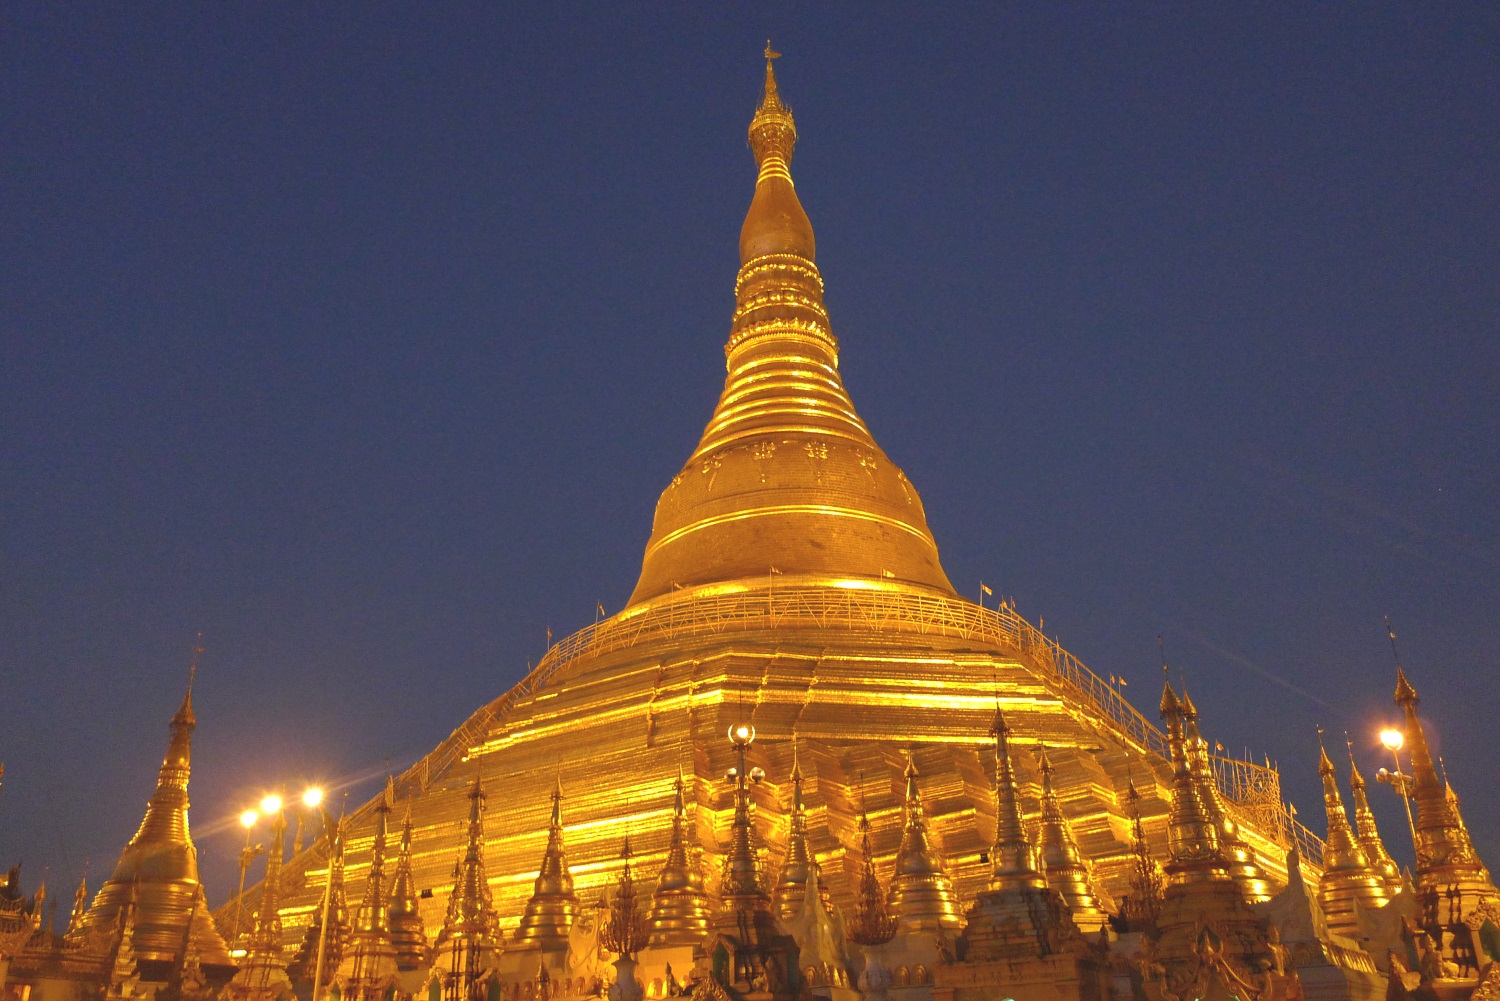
{"points": [[791, 583]]}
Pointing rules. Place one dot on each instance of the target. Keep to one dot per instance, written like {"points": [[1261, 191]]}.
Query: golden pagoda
{"points": [[791, 584], [158, 870], [1062, 863], [921, 894], [1367, 832], [679, 907], [1447, 865], [1348, 882], [407, 932]]}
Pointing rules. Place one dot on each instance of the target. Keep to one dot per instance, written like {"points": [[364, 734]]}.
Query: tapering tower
{"points": [[160, 868], [790, 584], [368, 968], [873, 922], [1063, 863], [1013, 860], [786, 474], [1142, 905], [468, 946], [303, 969], [1348, 881], [921, 895], [1368, 834], [1446, 861], [407, 933], [262, 975], [1019, 930], [1200, 890], [800, 861], [553, 906], [679, 907], [1237, 854]]}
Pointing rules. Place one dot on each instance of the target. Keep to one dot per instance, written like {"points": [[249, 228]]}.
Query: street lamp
{"points": [[1394, 740], [247, 855], [312, 797]]}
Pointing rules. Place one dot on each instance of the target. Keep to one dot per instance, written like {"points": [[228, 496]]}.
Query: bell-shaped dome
{"points": [[787, 478]]}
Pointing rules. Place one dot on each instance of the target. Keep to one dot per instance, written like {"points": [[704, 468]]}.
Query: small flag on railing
{"points": [[774, 570], [549, 637], [986, 589], [888, 573], [1123, 683], [602, 613], [1218, 747], [1113, 680]]}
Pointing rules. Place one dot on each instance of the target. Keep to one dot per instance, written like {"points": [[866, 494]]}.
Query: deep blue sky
{"points": [[364, 338]]}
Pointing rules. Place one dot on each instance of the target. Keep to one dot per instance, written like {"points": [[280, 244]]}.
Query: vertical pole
{"points": [[1400, 786]]}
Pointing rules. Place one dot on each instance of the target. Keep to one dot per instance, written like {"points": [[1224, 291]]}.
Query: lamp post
{"points": [[1393, 740], [247, 855]]}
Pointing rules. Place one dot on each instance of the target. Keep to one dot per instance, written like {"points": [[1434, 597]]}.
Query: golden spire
{"points": [[159, 866], [301, 969], [1369, 835], [800, 863], [742, 886], [262, 974], [679, 907], [553, 905], [368, 966], [374, 913], [80, 907], [265, 941], [1445, 855], [1239, 857], [1193, 837], [1143, 905], [624, 933], [921, 896], [1013, 858], [786, 474], [407, 933], [467, 945], [873, 924], [1066, 871], [1348, 881]]}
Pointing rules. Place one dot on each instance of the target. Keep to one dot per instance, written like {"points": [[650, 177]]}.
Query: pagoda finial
{"points": [[467, 945], [679, 907], [80, 905], [742, 886], [1348, 879], [1063, 863], [800, 862], [1143, 905], [873, 924], [407, 932], [776, 222], [1013, 858], [921, 897], [373, 913], [553, 905], [1193, 835]]}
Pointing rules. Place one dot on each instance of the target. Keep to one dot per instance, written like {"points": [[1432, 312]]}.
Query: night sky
{"points": [[363, 339]]}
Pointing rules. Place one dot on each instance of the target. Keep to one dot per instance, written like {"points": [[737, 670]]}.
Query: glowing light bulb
{"points": [[248, 818], [312, 797], [271, 804], [1392, 739]]}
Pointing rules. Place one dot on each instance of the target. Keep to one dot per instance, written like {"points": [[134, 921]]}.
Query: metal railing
{"points": [[857, 606]]}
